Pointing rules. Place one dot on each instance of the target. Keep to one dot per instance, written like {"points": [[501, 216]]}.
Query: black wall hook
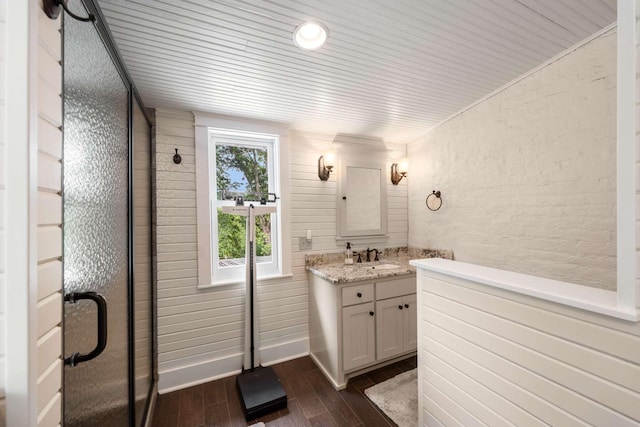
{"points": [[52, 10], [177, 158]]}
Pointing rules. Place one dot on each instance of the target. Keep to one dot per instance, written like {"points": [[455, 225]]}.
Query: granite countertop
{"points": [[346, 273], [331, 267]]}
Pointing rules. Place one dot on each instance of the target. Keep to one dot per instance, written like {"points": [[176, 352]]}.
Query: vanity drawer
{"points": [[396, 288], [357, 294]]}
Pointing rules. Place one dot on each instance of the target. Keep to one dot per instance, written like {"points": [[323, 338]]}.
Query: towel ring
{"points": [[434, 200]]}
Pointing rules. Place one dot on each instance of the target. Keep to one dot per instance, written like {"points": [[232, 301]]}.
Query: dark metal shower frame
{"points": [[102, 28]]}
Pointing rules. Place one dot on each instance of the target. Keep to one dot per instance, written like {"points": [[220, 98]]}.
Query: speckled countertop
{"points": [[331, 267]]}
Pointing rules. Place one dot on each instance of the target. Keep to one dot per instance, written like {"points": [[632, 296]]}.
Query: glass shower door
{"points": [[96, 228]]}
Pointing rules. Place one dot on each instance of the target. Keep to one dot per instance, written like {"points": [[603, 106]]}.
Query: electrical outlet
{"points": [[304, 244]]}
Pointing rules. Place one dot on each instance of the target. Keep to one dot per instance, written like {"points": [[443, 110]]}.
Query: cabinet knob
{"points": [[371, 313], [359, 294], [400, 307], [344, 197], [406, 306]]}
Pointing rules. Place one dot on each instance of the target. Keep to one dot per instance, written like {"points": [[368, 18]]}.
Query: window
{"points": [[231, 163]]}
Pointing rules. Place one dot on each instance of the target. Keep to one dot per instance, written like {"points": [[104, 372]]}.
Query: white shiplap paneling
{"points": [[200, 331], [526, 361], [389, 69], [49, 307]]}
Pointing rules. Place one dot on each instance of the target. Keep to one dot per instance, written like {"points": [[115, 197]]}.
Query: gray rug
{"points": [[398, 398]]}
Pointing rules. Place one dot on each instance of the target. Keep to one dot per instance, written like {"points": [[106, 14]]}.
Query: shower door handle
{"points": [[74, 297]]}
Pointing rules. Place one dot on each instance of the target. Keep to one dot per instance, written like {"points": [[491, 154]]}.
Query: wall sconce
{"points": [[398, 172], [325, 166]]}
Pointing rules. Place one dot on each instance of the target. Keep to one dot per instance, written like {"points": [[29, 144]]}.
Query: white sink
{"points": [[384, 267]]}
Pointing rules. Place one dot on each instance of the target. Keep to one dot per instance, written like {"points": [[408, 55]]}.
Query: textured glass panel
{"points": [[142, 261], [95, 225]]}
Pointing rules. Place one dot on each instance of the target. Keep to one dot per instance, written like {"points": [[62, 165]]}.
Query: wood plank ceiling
{"points": [[389, 69]]}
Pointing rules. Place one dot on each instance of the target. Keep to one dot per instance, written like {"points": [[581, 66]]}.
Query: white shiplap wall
{"points": [[200, 331], [38, 204], [3, 41], [499, 358], [49, 200]]}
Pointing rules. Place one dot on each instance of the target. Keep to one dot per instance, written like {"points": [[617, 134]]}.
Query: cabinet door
{"points": [[358, 336], [410, 313], [362, 198], [389, 334]]}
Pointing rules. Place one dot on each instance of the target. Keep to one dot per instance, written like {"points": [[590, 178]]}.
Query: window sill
{"points": [[237, 282], [584, 297]]}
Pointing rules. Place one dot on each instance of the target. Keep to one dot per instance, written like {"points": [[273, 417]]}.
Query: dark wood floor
{"points": [[312, 400]]}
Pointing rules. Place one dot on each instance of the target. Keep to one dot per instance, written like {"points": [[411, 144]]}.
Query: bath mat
{"points": [[398, 398]]}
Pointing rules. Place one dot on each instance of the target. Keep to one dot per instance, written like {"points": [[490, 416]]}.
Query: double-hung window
{"points": [[233, 162]]}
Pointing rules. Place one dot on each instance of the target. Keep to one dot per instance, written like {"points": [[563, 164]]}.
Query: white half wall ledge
{"points": [[596, 300]]}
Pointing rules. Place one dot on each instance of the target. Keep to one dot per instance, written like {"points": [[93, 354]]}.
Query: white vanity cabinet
{"points": [[355, 327], [358, 326], [396, 320], [358, 336], [396, 326]]}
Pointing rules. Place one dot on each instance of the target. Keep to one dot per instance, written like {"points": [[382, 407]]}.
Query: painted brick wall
{"points": [[200, 331], [528, 176]]}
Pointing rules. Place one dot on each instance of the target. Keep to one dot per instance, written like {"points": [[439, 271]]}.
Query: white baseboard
{"points": [[283, 352], [188, 376], [210, 370], [333, 382]]}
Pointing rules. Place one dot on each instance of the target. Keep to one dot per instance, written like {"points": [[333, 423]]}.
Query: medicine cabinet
{"points": [[362, 199]]}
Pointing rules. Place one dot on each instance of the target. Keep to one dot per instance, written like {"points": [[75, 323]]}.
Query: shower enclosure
{"points": [[108, 311]]}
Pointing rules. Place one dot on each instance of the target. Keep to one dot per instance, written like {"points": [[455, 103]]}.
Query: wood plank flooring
{"points": [[312, 400]]}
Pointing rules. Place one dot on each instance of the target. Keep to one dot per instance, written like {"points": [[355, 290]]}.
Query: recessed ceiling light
{"points": [[310, 35]]}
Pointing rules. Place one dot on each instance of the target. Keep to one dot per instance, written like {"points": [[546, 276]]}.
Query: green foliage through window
{"points": [[232, 234], [241, 171]]}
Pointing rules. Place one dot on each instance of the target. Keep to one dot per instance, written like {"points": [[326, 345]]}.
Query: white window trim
{"points": [[270, 142], [204, 179]]}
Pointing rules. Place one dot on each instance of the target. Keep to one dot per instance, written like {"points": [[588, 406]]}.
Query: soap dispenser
{"points": [[348, 259]]}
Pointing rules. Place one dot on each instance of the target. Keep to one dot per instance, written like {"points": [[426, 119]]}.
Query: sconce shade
{"points": [[329, 160], [397, 174], [403, 167]]}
